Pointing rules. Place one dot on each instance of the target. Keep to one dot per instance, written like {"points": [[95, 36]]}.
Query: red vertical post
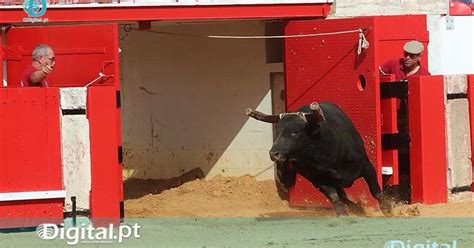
{"points": [[470, 96], [118, 118], [1, 60], [426, 120], [105, 167]]}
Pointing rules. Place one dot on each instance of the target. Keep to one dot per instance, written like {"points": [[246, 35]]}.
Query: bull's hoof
{"points": [[386, 207], [341, 212], [358, 210]]}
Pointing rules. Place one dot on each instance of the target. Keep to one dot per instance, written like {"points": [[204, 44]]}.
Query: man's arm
{"points": [[384, 69], [38, 76]]}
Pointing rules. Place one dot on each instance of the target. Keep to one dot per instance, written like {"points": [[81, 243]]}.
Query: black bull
{"points": [[322, 145]]}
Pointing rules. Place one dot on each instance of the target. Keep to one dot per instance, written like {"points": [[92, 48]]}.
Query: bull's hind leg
{"points": [[332, 195], [368, 173], [352, 205]]}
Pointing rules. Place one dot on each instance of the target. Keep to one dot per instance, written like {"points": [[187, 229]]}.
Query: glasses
{"points": [[411, 55], [50, 59]]}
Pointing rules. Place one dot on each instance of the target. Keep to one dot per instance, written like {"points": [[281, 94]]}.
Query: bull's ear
{"points": [[261, 116], [317, 115]]}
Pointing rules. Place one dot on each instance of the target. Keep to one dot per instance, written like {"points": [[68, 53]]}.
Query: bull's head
{"points": [[294, 131]]}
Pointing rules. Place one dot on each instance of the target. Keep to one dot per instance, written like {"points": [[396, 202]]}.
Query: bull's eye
{"points": [[295, 133]]}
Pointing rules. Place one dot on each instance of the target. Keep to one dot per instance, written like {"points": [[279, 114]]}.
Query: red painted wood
{"points": [[392, 32], [470, 94], [30, 153], [116, 72], [31, 213], [151, 13], [327, 68], [1, 56], [80, 52], [105, 169], [428, 172]]}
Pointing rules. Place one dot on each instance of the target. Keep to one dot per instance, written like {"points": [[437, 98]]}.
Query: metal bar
{"points": [[74, 213], [73, 111], [84, 212], [453, 96]]}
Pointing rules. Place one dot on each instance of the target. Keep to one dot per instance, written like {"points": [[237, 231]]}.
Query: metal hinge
{"points": [[449, 23]]}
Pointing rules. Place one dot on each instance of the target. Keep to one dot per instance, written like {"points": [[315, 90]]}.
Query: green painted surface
{"points": [[274, 232]]}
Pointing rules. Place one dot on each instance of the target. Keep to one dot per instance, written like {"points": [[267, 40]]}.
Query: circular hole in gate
{"points": [[361, 83]]}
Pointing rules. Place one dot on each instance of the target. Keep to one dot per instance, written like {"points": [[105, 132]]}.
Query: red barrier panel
{"points": [[106, 171], [31, 189], [93, 46], [470, 95], [426, 114], [328, 68]]}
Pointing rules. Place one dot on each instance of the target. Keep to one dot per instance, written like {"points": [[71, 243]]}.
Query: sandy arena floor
{"points": [[173, 214], [246, 197]]}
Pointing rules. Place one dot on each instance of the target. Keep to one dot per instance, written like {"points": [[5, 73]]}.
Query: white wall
{"points": [[75, 149], [343, 8], [451, 51], [184, 99]]}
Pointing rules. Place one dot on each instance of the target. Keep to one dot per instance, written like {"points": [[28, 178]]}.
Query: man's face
{"points": [[48, 59], [410, 59]]}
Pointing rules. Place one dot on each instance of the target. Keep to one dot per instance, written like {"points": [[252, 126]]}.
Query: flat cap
{"points": [[413, 47]]}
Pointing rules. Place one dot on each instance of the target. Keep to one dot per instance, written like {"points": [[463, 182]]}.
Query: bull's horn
{"points": [[261, 116], [318, 112]]}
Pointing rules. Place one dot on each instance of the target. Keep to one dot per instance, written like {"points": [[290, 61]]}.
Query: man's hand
{"points": [[46, 69], [41, 74]]}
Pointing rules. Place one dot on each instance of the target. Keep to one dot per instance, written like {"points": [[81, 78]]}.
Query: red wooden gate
{"points": [[31, 189], [81, 53], [328, 67]]}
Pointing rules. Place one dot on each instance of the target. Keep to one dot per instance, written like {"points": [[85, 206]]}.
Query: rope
{"points": [[284, 36], [128, 28], [363, 43]]}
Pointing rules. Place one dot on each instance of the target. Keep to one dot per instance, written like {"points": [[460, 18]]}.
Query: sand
{"points": [[246, 197]]}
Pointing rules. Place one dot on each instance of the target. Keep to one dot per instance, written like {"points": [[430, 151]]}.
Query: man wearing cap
{"points": [[408, 65]]}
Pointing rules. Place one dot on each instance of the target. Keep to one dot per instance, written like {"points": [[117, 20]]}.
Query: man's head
{"points": [[412, 52], [44, 55]]}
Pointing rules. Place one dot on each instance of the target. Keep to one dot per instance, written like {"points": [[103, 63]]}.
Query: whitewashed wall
{"points": [[184, 99], [75, 149], [388, 7], [451, 51]]}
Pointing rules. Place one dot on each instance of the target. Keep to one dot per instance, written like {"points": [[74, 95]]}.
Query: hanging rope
{"points": [[284, 36], [363, 43]]}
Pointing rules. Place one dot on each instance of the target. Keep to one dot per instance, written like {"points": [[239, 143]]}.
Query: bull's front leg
{"points": [[331, 194]]}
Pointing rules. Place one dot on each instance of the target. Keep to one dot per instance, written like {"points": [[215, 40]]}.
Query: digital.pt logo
{"points": [[35, 10], [88, 234], [426, 244]]}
